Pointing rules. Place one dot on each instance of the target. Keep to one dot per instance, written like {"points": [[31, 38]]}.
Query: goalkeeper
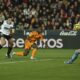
{"points": [[30, 44]]}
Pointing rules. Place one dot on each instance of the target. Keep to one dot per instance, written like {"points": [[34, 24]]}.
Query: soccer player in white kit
{"points": [[7, 30]]}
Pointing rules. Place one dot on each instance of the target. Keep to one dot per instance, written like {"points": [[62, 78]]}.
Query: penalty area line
{"points": [[13, 62]]}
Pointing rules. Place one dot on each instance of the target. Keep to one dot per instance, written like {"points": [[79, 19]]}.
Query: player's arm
{"points": [[12, 31]]}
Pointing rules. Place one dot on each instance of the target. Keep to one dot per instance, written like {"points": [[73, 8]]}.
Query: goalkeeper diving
{"points": [[30, 44]]}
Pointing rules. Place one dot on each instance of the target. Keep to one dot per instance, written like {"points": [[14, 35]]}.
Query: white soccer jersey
{"points": [[5, 27]]}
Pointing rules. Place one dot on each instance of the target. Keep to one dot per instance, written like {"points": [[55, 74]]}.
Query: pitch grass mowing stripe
{"points": [[13, 62]]}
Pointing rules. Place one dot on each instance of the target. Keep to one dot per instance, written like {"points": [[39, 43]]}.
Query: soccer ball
{"points": [[77, 27]]}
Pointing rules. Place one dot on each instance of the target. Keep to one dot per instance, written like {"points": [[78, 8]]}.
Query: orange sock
{"points": [[19, 53], [33, 53]]}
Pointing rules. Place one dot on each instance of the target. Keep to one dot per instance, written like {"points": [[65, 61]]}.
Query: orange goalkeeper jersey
{"points": [[34, 36]]}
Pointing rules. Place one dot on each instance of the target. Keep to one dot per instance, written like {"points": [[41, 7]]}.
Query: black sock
{"points": [[0, 46], [9, 51]]}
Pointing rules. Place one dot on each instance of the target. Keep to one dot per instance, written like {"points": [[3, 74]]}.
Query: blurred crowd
{"points": [[45, 14]]}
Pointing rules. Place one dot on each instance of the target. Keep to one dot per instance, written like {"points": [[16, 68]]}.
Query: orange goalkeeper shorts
{"points": [[28, 44]]}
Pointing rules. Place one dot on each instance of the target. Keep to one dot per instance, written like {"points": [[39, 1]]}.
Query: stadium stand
{"points": [[48, 14]]}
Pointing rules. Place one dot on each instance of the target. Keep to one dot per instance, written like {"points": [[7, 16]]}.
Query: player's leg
{"points": [[10, 47], [74, 57], [2, 42], [34, 51], [26, 50], [25, 53]]}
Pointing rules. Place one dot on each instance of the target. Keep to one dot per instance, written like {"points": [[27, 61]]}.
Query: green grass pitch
{"points": [[48, 66]]}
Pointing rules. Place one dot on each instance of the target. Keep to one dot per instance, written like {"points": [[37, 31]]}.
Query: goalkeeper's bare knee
{"points": [[26, 52]]}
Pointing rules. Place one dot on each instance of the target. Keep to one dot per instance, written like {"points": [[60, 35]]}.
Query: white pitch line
{"points": [[43, 60], [13, 62]]}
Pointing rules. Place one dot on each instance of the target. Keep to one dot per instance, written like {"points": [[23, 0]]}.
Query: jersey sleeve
{"points": [[3, 25]]}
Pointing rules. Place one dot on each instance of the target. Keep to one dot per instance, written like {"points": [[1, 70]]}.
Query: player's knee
{"points": [[10, 44], [26, 52]]}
